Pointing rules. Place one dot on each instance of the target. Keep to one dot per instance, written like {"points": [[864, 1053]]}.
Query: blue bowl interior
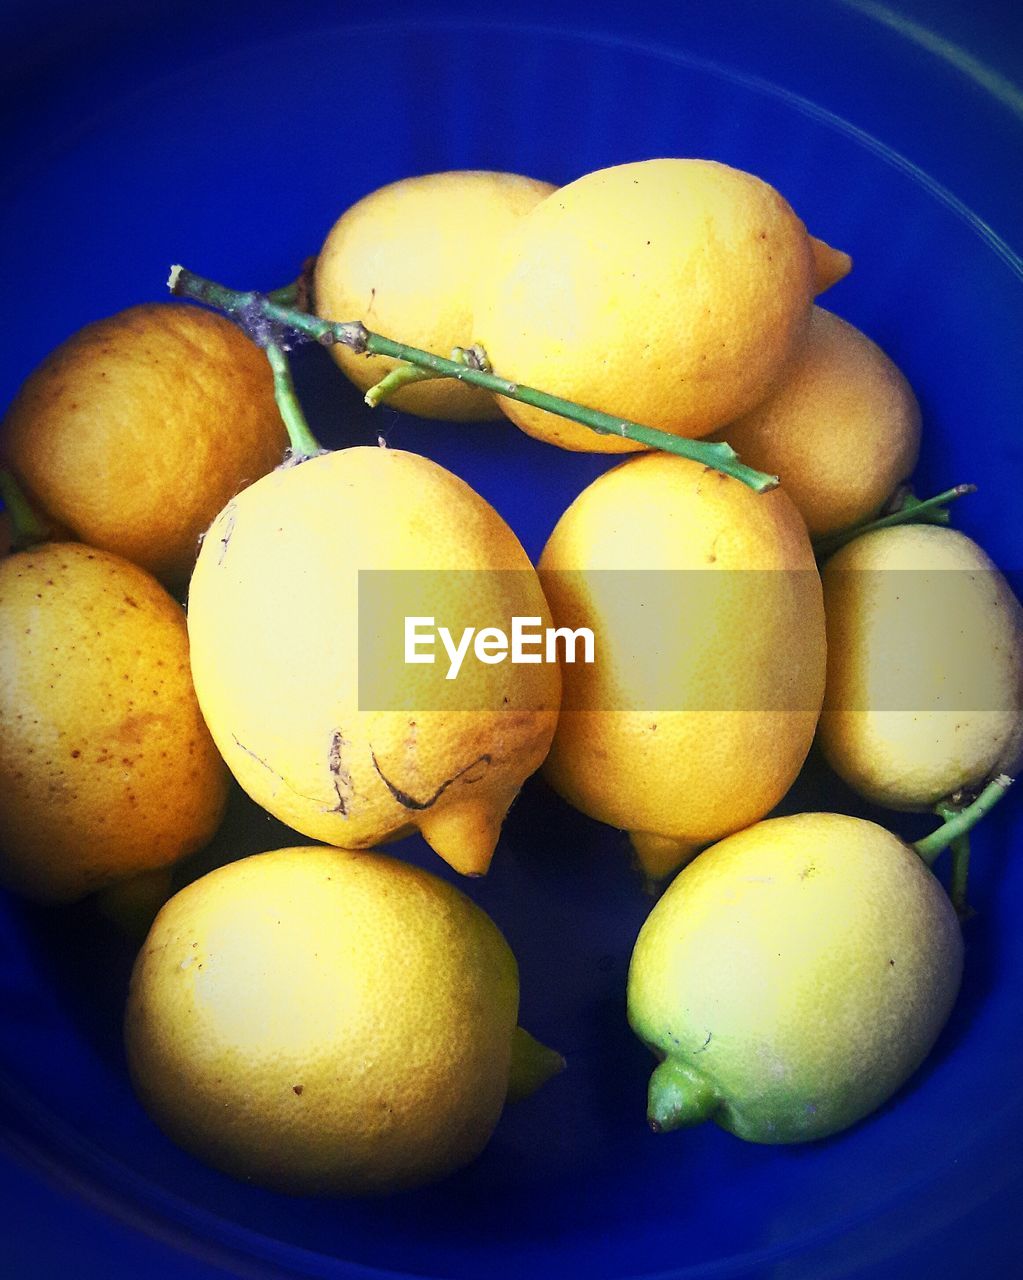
{"points": [[235, 160]]}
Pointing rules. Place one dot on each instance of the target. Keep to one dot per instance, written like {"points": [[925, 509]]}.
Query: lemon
{"points": [[792, 978], [106, 767], [322, 1021], [669, 292], [706, 608], [405, 260], [841, 431], [925, 666], [135, 431], [305, 685]]}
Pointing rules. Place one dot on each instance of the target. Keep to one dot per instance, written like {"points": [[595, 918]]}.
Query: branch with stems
{"points": [[958, 821], [911, 510], [273, 323]]}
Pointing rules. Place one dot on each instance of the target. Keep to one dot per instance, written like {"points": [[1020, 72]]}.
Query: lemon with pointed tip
{"points": [[327, 1022], [792, 978], [672, 292], [296, 614], [701, 704]]}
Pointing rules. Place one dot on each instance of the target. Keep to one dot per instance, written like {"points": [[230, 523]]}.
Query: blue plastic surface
{"points": [[229, 137]]}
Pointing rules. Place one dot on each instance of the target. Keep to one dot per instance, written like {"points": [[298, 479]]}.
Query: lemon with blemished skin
{"points": [[792, 978], [705, 604], [134, 432], [405, 260], [925, 668], [325, 1022], [670, 292], [842, 431], [282, 670], [106, 767]]}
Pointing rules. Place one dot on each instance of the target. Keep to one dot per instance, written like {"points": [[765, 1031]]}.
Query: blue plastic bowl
{"points": [[230, 140]]}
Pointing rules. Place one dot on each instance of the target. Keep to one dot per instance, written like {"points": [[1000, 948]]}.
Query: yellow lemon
{"points": [[405, 260], [841, 431], [135, 431], [925, 666], [106, 766], [705, 605], [296, 612], [669, 292], [792, 978], [324, 1022]]}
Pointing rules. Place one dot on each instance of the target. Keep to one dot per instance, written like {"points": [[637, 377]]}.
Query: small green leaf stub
{"points": [[678, 1097]]}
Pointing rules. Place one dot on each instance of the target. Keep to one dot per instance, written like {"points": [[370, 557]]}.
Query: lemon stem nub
{"points": [[27, 527], [532, 1065], [678, 1097]]}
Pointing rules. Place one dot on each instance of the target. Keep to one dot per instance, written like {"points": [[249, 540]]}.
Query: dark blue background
{"points": [[229, 137]]}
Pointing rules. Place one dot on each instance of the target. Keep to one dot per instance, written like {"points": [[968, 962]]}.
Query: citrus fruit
{"points": [[106, 766], [296, 612], [135, 431], [324, 1022], [925, 666], [705, 604], [841, 431], [792, 978], [669, 292], [405, 260]]}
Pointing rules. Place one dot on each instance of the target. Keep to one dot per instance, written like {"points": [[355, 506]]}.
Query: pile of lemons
{"points": [[329, 1019]]}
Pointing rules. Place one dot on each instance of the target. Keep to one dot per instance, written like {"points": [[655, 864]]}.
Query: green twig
{"points": [[404, 375], [959, 821], [256, 313], [912, 511], [286, 296], [303, 443], [960, 848], [27, 526]]}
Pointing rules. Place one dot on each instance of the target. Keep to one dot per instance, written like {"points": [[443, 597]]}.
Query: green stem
{"points": [[959, 822], [401, 376], [27, 526], [404, 375], [913, 511], [303, 443], [253, 311], [286, 296], [960, 873]]}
